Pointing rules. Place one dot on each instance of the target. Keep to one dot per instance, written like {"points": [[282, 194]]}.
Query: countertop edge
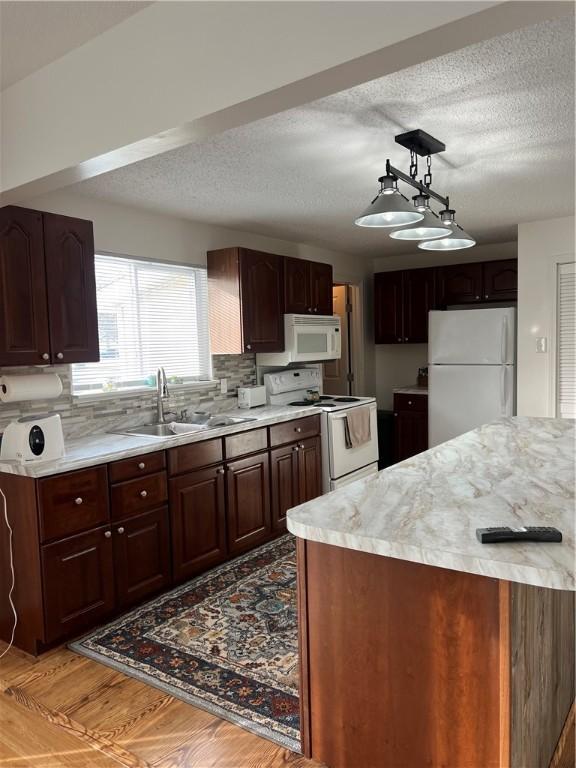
{"points": [[523, 574]]}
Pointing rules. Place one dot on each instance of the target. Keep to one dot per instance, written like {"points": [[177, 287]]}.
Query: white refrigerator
{"points": [[471, 371]]}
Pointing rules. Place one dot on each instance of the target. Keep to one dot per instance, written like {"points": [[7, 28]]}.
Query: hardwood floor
{"points": [[66, 711]]}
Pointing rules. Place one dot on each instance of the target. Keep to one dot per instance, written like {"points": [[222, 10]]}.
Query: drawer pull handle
{"points": [[141, 465], [302, 446], [296, 448], [298, 429], [143, 494], [121, 530], [79, 500], [107, 534], [409, 402], [60, 356], [220, 471]]}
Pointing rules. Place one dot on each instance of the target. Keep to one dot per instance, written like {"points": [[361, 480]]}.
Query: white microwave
{"points": [[307, 339]]}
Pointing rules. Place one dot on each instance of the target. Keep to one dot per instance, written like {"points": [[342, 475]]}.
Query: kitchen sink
{"points": [[199, 420]]}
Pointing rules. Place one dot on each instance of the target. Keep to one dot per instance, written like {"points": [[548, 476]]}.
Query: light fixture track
{"points": [[392, 171]]}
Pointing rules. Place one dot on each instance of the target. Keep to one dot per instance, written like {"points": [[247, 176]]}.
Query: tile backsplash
{"points": [[92, 416]]}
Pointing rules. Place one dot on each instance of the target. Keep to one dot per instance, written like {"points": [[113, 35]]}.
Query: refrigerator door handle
{"points": [[503, 399], [504, 340]]}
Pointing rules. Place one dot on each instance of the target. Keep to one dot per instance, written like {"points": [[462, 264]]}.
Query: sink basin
{"points": [[200, 420]]}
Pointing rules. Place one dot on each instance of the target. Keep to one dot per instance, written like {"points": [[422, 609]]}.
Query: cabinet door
{"points": [[23, 307], [198, 517], [78, 583], [69, 251], [297, 286], [388, 327], [321, 288], [285, 483], [460, 283], [410, 434], [141, 556], [309, 469], [500, 280], [249, 514], [262, 288], [418, 299]]}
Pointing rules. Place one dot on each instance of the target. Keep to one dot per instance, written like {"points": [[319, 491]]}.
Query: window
{"points": [[150, 314], [566, 331]]}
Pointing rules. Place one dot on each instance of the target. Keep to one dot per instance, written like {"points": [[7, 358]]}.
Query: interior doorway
{"points": [[338, 375]]}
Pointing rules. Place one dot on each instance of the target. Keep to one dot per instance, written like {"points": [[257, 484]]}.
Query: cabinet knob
{"points": [[107, 534], [141, 465], [121, 529], [405, 338], [220, 471], [395, 414], [60, 356], [248, 346], [399, 339], [45, 356], [309, 309], [296, 448], [302, 446], [409, 402], [315, 309], [143, 494], [477, 297], [79, 500], [298, 429], [486, 296]]}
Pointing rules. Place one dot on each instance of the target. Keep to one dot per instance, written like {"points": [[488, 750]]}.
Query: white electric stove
{"points": [[340, 465]]}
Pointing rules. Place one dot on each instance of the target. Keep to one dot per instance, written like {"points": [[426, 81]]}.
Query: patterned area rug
{"points": [[225, 642]]}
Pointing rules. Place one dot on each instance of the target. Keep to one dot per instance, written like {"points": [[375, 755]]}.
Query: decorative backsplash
{"points": [[92, 416]]}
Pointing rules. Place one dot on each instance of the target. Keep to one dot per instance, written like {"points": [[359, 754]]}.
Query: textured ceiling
{"points": [[35, 33], [504, 108]]}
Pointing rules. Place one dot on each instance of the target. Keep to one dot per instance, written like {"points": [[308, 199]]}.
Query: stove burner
{"points": [[301, 402], [346, 399], [325, 405]]}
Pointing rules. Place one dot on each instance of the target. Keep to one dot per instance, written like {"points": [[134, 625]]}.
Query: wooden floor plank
{"points": [[86, 714]]}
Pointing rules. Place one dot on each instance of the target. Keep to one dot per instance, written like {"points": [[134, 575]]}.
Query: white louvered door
{"points": [[566, 341]]}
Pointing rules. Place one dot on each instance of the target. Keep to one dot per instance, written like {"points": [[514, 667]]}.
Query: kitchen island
{"points": [[419, 645]]}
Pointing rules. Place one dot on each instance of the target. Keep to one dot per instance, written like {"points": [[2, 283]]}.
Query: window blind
{"points": [[566, 334], [150, 314]]}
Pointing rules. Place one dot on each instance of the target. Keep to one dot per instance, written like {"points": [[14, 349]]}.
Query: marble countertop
{"points": [[414, 390], [514, 471], [100, 449]]}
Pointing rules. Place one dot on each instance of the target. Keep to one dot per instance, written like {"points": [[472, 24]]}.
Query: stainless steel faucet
{"points": [[162, 393]]}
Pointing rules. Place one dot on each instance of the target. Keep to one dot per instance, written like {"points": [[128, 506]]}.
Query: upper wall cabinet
{"points": [[500, 280], [246, 293], [402, 301], [47, 289], [307, 287], [478, 282]]}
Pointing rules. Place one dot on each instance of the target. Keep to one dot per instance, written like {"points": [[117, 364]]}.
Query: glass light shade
{"points": [[457, 240], [389, 211], [428, 229]]}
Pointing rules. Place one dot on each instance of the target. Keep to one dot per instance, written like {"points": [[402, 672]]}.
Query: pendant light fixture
{"points": [[391, 209]]}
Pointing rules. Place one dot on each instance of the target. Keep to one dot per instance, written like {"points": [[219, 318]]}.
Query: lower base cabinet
{"points": [[198, 516], [296, 477], [248, 491], [78, 579], [141, 556], [410, 425]]}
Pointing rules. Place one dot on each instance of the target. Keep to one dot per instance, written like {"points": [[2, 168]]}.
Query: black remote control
{"points": [[526, 533]]}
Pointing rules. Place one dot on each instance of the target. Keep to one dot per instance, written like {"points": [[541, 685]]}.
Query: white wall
{"points": [[541, 246], [141, 233]]}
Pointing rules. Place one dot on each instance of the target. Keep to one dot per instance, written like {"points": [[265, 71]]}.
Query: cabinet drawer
{"points": [[195, 455], [72, 502], [294, 430], [134, 496], [411, 402], [245, 443], [127, 469]]}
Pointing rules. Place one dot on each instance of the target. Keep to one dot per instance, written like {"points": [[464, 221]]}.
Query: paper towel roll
{"points": [[40, 386]]}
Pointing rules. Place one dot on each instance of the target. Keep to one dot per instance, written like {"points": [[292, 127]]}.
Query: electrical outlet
{"points": [[541, 344], [223, 386]]}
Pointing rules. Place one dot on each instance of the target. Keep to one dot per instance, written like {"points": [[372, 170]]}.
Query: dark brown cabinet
{"points": [[308, 287], [24, 336], [460, 283], [402, 301], [198, 514], [500, 280], [309, 469], [249, 519], [246, 292], [296, 477], [410, 425], [78, 579], [48, 289], [141, 556]]}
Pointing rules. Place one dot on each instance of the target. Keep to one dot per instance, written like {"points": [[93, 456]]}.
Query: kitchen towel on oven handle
{"points": [[357, 427]]}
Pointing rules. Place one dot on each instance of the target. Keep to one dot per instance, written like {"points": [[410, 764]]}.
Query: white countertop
{"points": [[514, 471], [100, 449], [414, 390]]}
